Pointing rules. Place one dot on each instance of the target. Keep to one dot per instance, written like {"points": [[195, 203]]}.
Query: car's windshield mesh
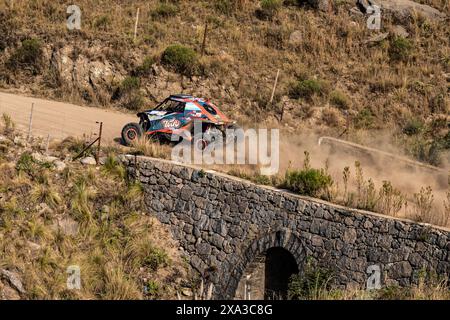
{"points": [[171, 106]]}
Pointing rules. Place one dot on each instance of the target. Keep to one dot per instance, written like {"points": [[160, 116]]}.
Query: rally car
{"points": [[172, 118]]}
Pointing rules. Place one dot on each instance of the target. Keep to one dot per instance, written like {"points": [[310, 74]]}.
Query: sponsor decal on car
{"points": [[171, 123]]}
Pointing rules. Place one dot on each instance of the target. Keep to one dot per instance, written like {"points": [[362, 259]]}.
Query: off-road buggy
{"points": [[172, 118]]}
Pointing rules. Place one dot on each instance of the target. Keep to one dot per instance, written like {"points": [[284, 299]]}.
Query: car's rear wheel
{"points": [[202, 140], [131, 132]]}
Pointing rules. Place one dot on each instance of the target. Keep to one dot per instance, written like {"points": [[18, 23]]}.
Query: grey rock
{"points": [[59, 165], [399, 31], [401, 269], [68, 226], [296, 38], [88, 161], [14, 279], [405, 9]]}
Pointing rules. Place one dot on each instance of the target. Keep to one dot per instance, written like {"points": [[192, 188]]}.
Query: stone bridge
{"points": [[249, 239]]}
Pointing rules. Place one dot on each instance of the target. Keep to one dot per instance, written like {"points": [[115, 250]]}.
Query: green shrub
{"points": [[156, 258], [129, 84], [309, 181], [29, 165], [27, 57], [340, 100], [164, 10], [114, 167], [181, 59], [306, 89], [152, 288], [400, 49]]}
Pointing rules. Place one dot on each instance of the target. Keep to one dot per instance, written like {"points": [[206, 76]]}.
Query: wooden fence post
{"points": [[136, 24], [30, 123]]}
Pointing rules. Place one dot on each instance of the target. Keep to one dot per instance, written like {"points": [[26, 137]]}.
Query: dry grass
{"points": [[242, 48], [89, 218], [149, 148]]}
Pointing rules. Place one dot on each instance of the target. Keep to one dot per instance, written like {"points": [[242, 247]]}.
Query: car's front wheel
{"points": [[131, 132]]}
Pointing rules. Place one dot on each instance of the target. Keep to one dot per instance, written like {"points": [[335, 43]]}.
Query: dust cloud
{"points": [[390, 164]]}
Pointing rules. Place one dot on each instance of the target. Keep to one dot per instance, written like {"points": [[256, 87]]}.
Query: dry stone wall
{"points": [[224, 223]]}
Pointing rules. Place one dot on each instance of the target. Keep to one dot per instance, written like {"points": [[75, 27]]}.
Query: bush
{"points": [[365, 119], [129, 84], [156, 258], [145, 68], [275, 38], [7, 30], [306, 89], [30, 166], [164, 10], [131, 96], [314, 283], [413, 127], [226, 7], [340, 100], [269, 9], [400, 49], [182, 59], [310, 182], [28, 56], [9, 125], [330, 116], [102, 22], [426, 150]]}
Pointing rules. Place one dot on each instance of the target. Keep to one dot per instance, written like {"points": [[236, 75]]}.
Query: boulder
{"points": [[59, 165], [88, 161], [402, 10], [399, 31], [43, 158], [295, 38], [377, 38]]}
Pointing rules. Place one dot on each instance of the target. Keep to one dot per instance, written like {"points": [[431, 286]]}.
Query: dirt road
{"points": [[60, 120]]}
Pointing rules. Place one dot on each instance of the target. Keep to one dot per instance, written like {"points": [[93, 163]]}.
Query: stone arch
{"points": [[280, 239]]}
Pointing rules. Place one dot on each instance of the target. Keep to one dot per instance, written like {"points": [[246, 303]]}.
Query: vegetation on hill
{"points": [[56, 214]]}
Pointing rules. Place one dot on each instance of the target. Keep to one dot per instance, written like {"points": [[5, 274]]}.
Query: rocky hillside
{"points": [[329, 61], [57, 215], [334, 72]]}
